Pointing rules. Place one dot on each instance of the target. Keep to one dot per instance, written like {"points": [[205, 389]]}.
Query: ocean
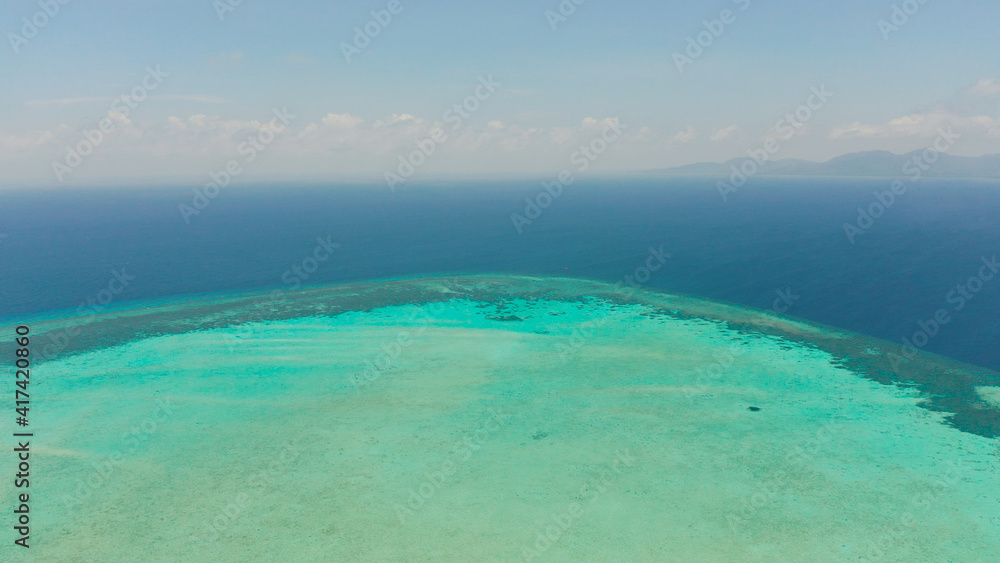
{"points": [[476, 371], [776, 244]]}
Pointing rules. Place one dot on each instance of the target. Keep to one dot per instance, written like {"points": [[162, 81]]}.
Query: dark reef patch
{"points": [[947, 386]]}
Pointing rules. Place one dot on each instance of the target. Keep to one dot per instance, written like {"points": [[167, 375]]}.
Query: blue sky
{"points": [[607, 63]]}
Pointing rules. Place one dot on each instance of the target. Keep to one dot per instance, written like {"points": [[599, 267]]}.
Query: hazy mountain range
{"points": [[859, 164]]}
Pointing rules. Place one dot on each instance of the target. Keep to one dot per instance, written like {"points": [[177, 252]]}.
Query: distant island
{"points": [[859, 164]]}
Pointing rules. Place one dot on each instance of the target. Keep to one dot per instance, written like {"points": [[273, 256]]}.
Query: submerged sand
{"points": [[500, 419]]}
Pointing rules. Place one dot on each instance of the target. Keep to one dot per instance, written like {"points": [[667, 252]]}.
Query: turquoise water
{"points": [[502, 418]]}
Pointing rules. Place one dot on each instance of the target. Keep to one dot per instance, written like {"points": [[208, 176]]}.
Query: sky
{"points": [[642, 84]]}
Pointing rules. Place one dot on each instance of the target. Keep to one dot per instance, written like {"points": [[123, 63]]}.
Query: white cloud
{"points": [[334, 143], [226, 59], [25, 141], [970, 112], [857, 129], [401, 117], [985, 87], [341, 120], [723, 134], [921, 125], [685, 136], [600, 124]]}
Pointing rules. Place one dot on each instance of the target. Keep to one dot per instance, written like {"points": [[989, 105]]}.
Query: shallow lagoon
{"points": [[502, 418]]}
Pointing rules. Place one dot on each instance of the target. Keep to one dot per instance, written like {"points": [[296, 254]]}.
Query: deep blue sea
{"points": [[64, 247]]}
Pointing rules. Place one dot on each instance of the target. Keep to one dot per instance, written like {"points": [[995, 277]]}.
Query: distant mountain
{"points": [[858, 164]]}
